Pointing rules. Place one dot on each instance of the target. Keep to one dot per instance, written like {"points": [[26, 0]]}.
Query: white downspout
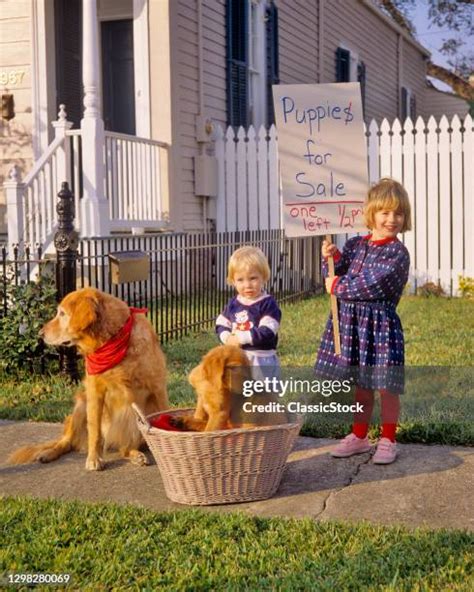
{"points": [[205, 166], [201, 100]]}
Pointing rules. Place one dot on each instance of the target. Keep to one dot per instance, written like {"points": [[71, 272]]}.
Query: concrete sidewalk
{"points": [[427, 486]]}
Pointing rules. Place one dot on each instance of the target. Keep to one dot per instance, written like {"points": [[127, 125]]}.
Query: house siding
{"points": [[352, 31], [188, 107], [298, 50], [305, 57], [298, 34], [214, 60], [413, 75], [439, 103], [298, 41], [16, 78], [391, 61]]}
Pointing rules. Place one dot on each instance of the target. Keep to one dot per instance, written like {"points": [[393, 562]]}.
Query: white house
{"points": [[146, 82]]}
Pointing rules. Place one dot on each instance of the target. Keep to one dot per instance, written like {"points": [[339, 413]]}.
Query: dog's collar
{"points": [[114, 350]]}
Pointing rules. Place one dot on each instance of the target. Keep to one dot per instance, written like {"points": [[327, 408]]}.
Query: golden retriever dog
{"points": [[124, 365], [218, 382]]}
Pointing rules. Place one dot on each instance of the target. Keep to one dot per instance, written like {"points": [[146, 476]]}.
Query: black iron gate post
{"points": [[66, 243]]}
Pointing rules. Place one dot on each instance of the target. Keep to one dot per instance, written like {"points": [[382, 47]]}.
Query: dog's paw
{"points": [[138, 458], [94, 464]]}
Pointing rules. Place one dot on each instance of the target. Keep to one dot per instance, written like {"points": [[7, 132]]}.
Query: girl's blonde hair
{"points": [[248, 258], [387, 194]]}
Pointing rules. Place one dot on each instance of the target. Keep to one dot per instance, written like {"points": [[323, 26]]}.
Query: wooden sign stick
{"points": [[335, 315]]}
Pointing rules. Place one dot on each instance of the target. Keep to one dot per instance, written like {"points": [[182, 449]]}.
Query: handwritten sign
{"points": [[323, 157]]}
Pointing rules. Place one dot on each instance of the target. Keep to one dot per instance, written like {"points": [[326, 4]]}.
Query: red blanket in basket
{"points": [[163, 423]]}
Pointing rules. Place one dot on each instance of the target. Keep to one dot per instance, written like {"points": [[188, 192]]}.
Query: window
{"points": [[252, 61], [408, 104], [343, 63], [237, 62], [68, 24], [350, 69]]}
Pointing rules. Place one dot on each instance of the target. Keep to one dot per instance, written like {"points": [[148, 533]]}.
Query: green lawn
{"points": [[109, 547], [439, 332]]}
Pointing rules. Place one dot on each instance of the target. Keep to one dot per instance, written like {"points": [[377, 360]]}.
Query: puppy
{"points": [[124, 365], [218, 381]]}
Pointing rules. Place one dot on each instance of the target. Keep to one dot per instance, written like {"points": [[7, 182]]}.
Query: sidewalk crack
{"points": [[350, 480]]}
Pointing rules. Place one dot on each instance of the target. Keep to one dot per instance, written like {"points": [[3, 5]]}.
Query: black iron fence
{"points": [[19, 265], [185, 286]]}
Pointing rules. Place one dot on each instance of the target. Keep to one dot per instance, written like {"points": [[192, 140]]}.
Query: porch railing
{"points": [[31, 213], [74, 172], [134, 185]]}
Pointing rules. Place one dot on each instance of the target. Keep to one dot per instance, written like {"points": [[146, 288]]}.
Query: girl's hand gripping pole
{"points": [[335, 315]]}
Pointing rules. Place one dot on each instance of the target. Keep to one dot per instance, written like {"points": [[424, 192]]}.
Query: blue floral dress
{"points": [[372, 275]]}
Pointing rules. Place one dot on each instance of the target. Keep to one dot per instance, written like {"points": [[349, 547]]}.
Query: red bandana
{"points": [[113, 352]]}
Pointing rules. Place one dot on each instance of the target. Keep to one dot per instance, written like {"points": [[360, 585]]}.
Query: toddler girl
{"points": [[371, 273], [252, 318]]}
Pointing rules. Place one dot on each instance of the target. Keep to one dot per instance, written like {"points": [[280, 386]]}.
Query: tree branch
{"points": [[462, 88], [397, 16]]}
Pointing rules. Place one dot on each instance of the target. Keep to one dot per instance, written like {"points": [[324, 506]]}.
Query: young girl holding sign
{"points": [[371, 273]]}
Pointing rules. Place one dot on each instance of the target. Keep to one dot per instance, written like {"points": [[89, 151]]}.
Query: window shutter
{"points": [[404, 105], [343, 62], [361, 77], [237, 62], [68, 31], [413, 107], [273, 66]]}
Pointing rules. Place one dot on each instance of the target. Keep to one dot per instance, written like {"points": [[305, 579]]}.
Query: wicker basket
{"points": [[220, 467]]}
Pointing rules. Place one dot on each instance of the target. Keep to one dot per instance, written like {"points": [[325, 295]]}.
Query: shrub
{"points": [[29, 306], [430, 289], [466, 287]]}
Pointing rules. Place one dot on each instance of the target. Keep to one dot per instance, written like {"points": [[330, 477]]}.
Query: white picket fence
{"points": [[433, 160], [249, 195]]}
